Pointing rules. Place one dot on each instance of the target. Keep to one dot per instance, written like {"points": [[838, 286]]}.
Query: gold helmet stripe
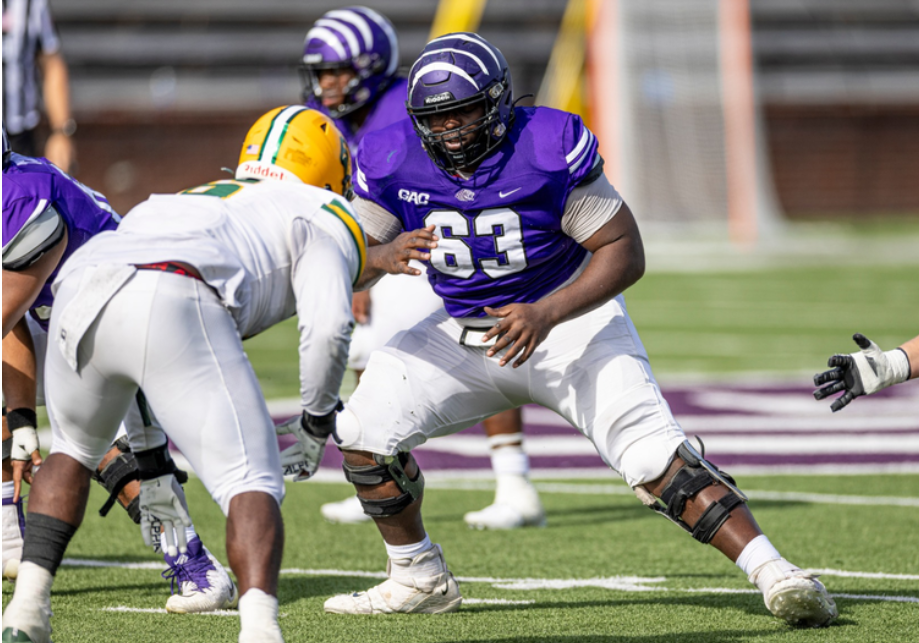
{"points": [[271, 146], [357, 232]]}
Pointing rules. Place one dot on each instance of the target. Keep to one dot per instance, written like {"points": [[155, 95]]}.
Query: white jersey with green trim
{"points": [[268, 249], [243, 237]]}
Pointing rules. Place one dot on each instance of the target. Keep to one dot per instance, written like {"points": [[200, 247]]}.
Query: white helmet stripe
{"points": [[276, 132], [326, 36], [453, 69], [460, 51], [356, 19], [477, 40], [346, 31], [385, 25]]}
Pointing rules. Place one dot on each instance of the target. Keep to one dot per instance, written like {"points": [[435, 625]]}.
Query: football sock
{"points": [[258, 611], [508, 459], [757, 552], [34, 583], [403, 552]]}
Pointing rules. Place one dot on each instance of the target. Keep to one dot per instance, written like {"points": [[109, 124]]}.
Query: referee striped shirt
{"points": [[28, 31]]}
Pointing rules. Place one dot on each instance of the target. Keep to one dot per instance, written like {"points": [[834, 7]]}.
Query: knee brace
{"points": [[386, 468], [696, 474], [128, 466]]}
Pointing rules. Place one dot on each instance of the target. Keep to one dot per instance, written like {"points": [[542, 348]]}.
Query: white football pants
{"points": [[171, 335], [591, 370]]}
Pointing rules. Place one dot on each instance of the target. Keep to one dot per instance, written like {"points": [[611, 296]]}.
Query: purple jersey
{"points": [[386, 110], [33, 185], [501, 238]]}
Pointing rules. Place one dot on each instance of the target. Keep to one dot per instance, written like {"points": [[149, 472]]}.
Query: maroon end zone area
{"points": [[756, 426]]}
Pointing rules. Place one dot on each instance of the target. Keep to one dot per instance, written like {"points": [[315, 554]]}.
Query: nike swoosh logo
{"points": [[504, 194]]}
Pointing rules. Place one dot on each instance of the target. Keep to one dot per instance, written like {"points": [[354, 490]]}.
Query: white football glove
{"points": [[300, 461], [162, 504], [861, 373], [25, 442], [23, 448]]}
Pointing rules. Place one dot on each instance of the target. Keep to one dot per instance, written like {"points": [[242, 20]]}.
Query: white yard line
{"points": [[615, 583]]}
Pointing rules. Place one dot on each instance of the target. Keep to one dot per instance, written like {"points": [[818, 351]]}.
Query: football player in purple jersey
{"points": [[348, 71], [530, 248], [47, 216]]}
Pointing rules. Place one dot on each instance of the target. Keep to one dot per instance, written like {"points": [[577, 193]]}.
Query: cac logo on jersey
{"points": [[418, 198]]}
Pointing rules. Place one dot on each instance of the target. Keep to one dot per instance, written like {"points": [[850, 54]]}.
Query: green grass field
{"points": [[677, 589], [605, 570]]}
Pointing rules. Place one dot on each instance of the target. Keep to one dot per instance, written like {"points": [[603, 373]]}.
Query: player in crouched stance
{"points": [[47, 216], [530, 248], [163, 303]]}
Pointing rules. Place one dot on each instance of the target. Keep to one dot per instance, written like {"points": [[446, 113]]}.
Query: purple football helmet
{"points": [[455, 71], [356, 38]]}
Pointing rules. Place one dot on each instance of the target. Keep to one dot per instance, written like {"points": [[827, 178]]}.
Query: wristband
{"points": [[21, 418]]}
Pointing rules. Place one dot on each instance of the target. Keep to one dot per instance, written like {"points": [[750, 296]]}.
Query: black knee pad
{"points": [[129, 466], [386, 468], [695, 475], [116, 475]]}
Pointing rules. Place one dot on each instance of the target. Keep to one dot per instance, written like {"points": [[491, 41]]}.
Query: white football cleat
{"points": [[347, 511], [26, 621], [516, 505], [13, 526], [793, 595], [436, 594], [204, 585]]}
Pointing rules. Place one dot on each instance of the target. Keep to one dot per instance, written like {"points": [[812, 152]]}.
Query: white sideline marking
{"points": [[162, 610], [871, 597], [621, 490], [83, 562], [845, 574], [723, 445], [617, 583]]}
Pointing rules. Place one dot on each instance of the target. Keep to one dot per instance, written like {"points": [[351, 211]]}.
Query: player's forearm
{"points": [[612, 269], [372, 270], [56, 90], [19, 368], [911, 348]]}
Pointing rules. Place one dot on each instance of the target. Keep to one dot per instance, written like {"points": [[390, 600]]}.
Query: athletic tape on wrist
{"points": [[21, 418]]}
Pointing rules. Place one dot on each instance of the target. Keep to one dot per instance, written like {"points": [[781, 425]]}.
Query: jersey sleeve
{"points": [[581, 150], [41, 232], [378, 221], [321, 282], [47, 33]]}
